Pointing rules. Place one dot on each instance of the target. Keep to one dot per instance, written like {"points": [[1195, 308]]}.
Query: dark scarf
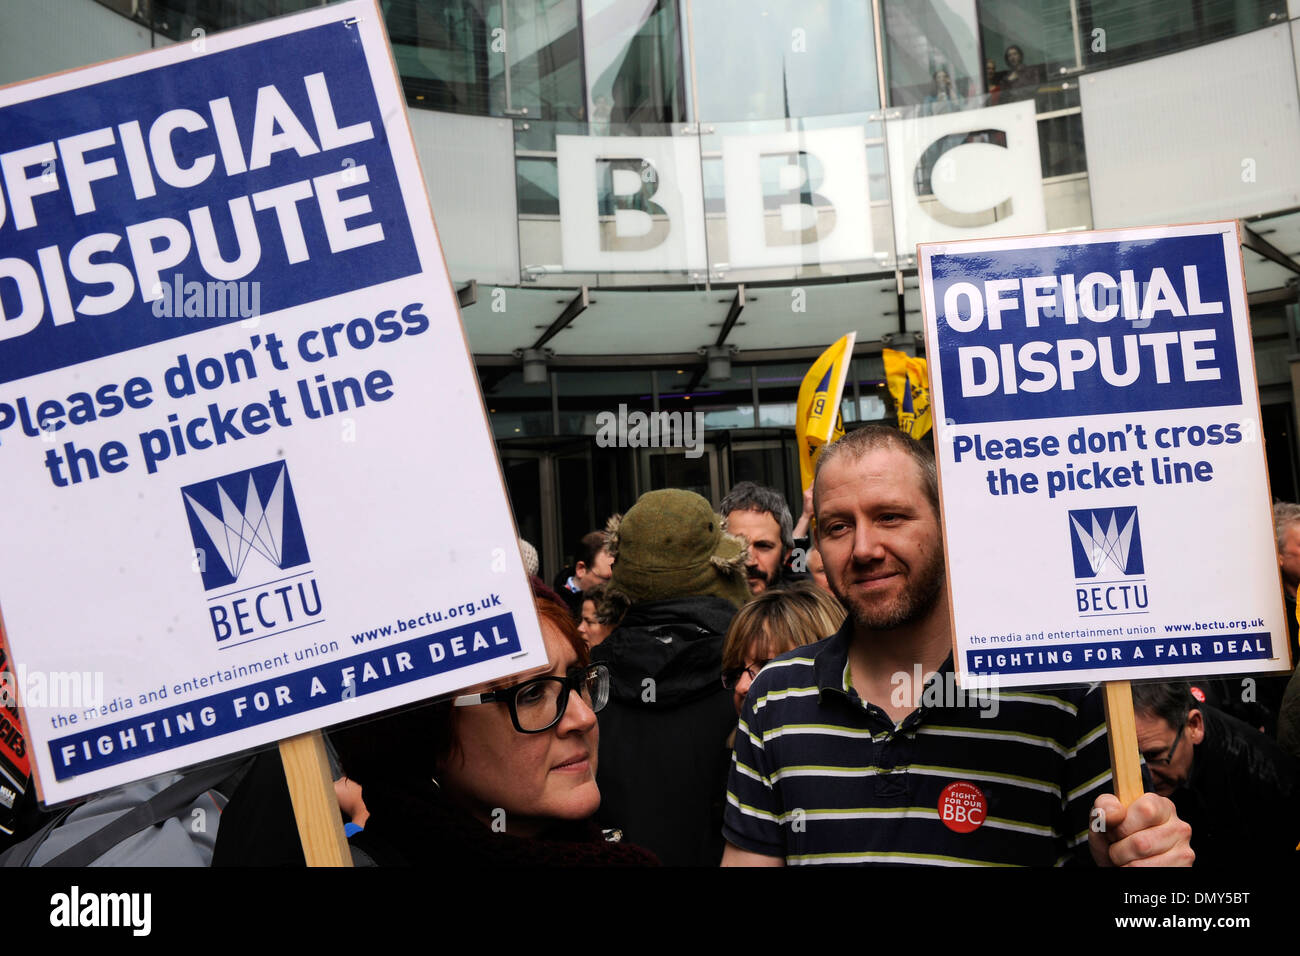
{"points": [[413, 824]]}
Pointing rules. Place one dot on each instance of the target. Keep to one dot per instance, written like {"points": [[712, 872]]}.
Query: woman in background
{"points": [[593, 626], [773, 623]]}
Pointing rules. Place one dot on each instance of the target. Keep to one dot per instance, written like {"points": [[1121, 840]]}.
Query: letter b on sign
{"points": [[628, 186], [630, 203], [797, 197], [798, 175]]}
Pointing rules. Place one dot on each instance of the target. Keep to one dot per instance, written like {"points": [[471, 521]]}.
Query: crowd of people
{"points": [[724, 688], [738, 703], [1018, 81]]}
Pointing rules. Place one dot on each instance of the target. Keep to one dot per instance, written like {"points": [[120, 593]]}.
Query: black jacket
{"points": [[1241, 798], [663, 736], [571, 598]]}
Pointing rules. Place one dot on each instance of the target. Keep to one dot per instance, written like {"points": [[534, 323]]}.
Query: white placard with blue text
{"points": [[1104, 486], [249, 486]]}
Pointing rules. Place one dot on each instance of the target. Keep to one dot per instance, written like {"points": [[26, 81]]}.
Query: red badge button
{"points": [[1198, 693], [962, 806]]}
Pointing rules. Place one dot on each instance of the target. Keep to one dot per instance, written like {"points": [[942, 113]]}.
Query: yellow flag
{"points": [[817, 420], [910, 386]]}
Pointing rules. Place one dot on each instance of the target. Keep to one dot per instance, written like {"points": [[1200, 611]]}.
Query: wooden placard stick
{"points": [[315, 807], [1121, 729]]}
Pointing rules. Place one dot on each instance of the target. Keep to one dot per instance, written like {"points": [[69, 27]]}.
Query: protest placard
{"points": [[250, 490], [1104, 485], [1103, 480]]}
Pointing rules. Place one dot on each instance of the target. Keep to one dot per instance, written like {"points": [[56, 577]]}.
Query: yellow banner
{"points": [[817, 420], [910, 386]]}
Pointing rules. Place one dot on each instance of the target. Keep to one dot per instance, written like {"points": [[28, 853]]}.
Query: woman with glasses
{"points": [[771, 624], [500, 775]]}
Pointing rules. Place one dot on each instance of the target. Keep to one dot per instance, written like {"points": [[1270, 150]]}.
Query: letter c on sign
{"points": [[969, 176]]}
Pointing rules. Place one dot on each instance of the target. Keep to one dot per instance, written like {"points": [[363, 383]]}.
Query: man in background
{"points": [[1234, 786], [593, 567], [760, 516]]}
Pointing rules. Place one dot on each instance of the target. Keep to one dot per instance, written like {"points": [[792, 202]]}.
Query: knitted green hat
{"points": [[671, 544]]}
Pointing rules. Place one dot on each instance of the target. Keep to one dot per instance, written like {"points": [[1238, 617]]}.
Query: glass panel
{"points": [[873, 392], [873, 405], [177, 19], [777, 414], [778, 390], [771, 463], [633, 64], [932, 52], [724, 404], [446, 54], [878, 179], [1060, 144], [1029, 41], [574, 481], [453, 56], [520, 424], [761, 462], [675, 470], [524, 487], [767, 59], [615, 481], [1122, 31], [585, 396], [133, 9], [1279, 447], [515, 410], [543, 44]]}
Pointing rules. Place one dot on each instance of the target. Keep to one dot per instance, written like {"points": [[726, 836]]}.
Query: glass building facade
{"points": [[626, 189]]}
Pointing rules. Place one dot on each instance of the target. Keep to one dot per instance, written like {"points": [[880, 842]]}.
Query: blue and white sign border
{"points": [[1014, 604]]}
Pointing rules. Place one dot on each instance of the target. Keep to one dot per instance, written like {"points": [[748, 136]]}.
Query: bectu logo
{"points": [[1106, 544], [247, 533]]}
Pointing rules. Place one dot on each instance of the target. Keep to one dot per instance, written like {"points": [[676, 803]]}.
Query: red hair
{"points": [[557, 615]]}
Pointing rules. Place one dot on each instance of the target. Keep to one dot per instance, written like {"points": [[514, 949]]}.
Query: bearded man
{"points": [[839, 757]]}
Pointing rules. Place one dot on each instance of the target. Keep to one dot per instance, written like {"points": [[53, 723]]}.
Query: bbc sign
{"points": [[636, 203]]}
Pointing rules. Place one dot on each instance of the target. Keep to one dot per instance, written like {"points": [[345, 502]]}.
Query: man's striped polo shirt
{"points": [[820, 776]]}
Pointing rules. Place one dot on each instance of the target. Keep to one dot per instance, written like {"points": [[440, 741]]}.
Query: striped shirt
{"points": [[819, 775]]}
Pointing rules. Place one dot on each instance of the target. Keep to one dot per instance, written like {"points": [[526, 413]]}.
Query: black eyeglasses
{"points": [[1168, 758], [538, 705], [731, 677]]}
